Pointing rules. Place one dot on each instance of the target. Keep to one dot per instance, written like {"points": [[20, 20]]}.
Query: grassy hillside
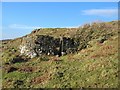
{"points": [[95, 65]]}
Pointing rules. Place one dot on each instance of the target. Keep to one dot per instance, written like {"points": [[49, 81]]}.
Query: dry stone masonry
{"points": [[27, 47], [48, 45], [55, 46]]}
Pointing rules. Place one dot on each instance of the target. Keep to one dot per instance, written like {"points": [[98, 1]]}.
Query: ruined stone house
{"points": [[48, 45]]}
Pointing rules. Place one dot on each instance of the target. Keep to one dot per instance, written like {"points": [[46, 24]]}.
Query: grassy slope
{"points": [[95, 66]]}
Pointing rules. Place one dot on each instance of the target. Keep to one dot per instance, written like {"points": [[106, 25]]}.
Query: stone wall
{"points": [[55, 46], [48, 45], [27, 47]]}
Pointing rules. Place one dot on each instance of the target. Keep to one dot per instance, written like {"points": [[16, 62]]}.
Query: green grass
{"points": [[93, 67]]}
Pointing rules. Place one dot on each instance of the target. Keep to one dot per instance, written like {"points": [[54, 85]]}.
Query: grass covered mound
{"points": [[94, 65]]}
